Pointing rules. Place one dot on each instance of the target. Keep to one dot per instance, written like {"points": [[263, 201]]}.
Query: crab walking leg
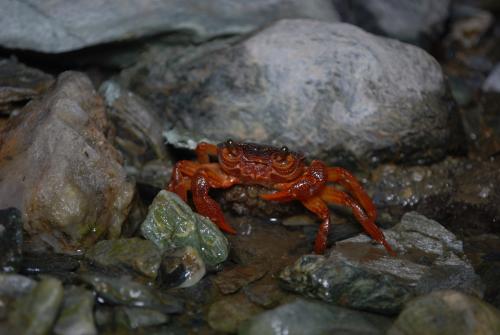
{"points": [[318, 207], [333, 196], [180, 182], [204, 150], [203, 180], [353, 187]]}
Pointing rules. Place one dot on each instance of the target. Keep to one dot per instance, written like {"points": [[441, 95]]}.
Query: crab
{"points": [[279, 169]]}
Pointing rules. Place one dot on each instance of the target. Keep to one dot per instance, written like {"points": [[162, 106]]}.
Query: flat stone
{"points": [[232, 280], [134, 253], [227, 314]]}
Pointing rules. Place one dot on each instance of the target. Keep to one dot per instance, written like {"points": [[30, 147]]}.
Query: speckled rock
{"points": [[11, 239], [58, 26], [171, 223], [59, 170], [313, 318], [135, 253], [447, 313], [135, 317], [14, 285], [327, 89], [355, 271], [415, 21]]}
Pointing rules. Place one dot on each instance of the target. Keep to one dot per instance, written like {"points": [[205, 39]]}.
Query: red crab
{"points": [[279, 169]]}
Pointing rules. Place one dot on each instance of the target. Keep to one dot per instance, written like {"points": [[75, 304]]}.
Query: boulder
{"points": [[60, 171]]}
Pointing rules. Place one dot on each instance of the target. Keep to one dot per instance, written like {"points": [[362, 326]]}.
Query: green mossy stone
{"points": [[171, 223]]}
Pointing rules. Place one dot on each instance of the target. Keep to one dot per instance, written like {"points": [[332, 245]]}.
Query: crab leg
{"points": [[204, 150], [180, 182], [203, 180], [319, 207], [353, 187], [333, 196]]}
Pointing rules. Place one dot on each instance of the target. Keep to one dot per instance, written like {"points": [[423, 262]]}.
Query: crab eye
{"points": [[284, 150], [230, 142]]}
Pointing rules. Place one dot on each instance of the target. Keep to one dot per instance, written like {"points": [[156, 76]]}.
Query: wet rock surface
{"points": [[11, 239], [101, 22], [355, 272], [171, 223], [124, 291], [312, 101], [140, 255], [447, 312], [20, 83], [58, 168], [418, 22], [311, 317]]}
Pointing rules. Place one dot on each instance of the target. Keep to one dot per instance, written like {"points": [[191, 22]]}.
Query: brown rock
{"points": [[58, 168]]}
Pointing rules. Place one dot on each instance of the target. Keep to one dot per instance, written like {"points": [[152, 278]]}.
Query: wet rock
{"points": [[133, 317], [231, 281], [11, 239], [58, 168], [124, 291], [14, 285], [171, 223], [20, 83], [138, 135], [36, 312], [429, 258], [345, 285], [134, 253], [316, 91], [50, 27], [310, 317], [447, 312], [228, 313], [48, 263], [458, 193], [492, 83], [76, 317], [267, 295], [181, 268], [418, 22]]}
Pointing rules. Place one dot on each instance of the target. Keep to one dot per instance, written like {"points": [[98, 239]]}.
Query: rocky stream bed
{"points": [[99, 101]]}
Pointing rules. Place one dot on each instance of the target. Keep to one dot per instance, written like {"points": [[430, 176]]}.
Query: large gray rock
{"points": [[59, 170], [331, 90], [414, 21], [360, 275], [57, 26]]}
